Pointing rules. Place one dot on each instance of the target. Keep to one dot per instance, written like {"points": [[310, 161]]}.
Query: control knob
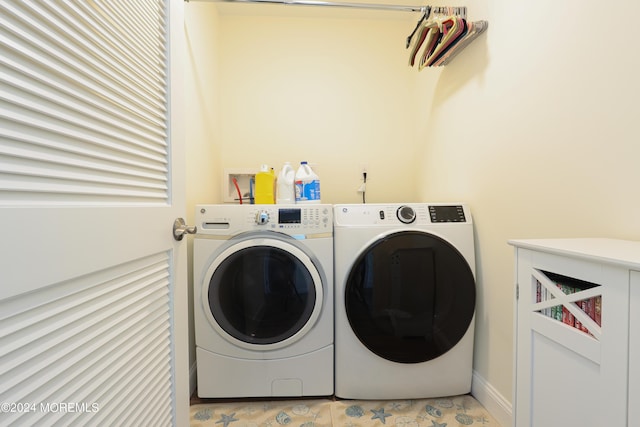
{"points": [[406, 214], [262, 217]]}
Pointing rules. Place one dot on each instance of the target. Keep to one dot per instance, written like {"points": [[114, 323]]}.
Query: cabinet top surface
{"points": [[612, 251]]}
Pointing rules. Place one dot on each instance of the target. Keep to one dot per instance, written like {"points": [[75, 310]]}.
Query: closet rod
{"points": [[399, 8]]}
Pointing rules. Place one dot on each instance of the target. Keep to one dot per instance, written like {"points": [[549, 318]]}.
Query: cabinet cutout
{"points": [[574, 302]]}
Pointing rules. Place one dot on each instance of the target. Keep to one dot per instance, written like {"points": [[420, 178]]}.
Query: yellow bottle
{"points": [[265, 180]]}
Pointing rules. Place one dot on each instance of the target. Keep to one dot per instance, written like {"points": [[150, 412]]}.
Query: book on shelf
{"points": [[591, 306]]}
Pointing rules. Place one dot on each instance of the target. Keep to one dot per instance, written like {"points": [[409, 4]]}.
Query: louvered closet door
{"points": [[92, 284]]}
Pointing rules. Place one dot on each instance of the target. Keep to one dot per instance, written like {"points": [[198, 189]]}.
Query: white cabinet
{"points": [[634, 349], [577, 333]]}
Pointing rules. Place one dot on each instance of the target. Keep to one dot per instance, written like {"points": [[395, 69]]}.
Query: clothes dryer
{"points": [[263, 300], [405, 300]]}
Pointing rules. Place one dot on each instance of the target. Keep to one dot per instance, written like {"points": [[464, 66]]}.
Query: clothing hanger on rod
{"points": [[428, 35], [453, 28], [475, 29], [442, 35], [433, 36], [424, 18]]}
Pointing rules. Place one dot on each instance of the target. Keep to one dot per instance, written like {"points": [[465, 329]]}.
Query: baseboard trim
{"points": [[493, 401]]}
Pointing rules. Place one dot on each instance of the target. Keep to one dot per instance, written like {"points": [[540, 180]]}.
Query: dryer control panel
{"points": [[454, 213], [229, 220], [401, 214]]}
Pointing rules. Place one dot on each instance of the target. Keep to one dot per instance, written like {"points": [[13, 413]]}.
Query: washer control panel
{"points": [[262, 217], [227, 220], [406, 214], [409, 214]]}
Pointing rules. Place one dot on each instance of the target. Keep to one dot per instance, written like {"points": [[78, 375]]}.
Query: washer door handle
{"points": [[180, 228]]}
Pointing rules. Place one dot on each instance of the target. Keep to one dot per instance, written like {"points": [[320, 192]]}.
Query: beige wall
{"points": [[535, 125], [202, 80], [332, 90], [202, 129], [537, 128]]}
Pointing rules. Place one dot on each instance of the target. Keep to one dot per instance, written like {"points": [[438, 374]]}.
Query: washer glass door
{"points": [[410, 297], [264, 294]]}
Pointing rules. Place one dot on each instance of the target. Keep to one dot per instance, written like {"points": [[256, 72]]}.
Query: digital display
{"points": [[447, 214], [289, 216]]}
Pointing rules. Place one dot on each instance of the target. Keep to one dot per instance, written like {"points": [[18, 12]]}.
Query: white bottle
{"points": [[285, 191], [307, 185]]}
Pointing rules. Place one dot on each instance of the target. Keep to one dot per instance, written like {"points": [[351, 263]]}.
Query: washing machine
{"points": [[405, 300], [263, 300]]}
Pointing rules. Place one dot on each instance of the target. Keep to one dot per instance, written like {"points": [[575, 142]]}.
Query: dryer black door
{"points": [[262, 294], [410, 297]]}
